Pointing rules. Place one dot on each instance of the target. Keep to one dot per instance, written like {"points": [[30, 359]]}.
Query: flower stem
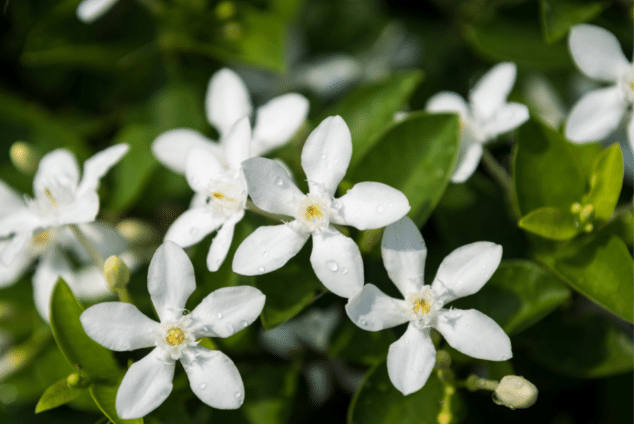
{"points": [[498, 172], [473, 383], [276, 217]]}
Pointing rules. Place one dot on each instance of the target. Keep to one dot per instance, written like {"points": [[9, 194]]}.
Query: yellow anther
{"points": [[174, 336], [313, 212], [42, 237], [421, 307], [50, 198]]}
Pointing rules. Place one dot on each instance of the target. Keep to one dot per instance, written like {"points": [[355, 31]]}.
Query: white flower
{"points": [[598, 54], [213, 377], [335, 258], [91, 10], [227, 102], [411, 359], [487, 115]]}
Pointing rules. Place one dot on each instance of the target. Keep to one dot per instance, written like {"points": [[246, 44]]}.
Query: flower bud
{"points": [[515, 392], [77, 379], [24, 157], [116, 272]]}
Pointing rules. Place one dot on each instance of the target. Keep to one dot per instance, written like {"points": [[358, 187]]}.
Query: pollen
{"points": [[42, 237], [50, 198], [175, 336], [220, 196], [421, 307], [313, 212]]}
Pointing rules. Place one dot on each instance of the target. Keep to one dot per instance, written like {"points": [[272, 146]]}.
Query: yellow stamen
{"points": [[220, 196], [313, 212], [42, 237], [421, 307], [174, 336], [50, 198]]}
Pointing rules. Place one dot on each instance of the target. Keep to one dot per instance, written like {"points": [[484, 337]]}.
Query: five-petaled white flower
{"points": [[485, 117], [411, 359], [213, 377], [91, 10], [336, 258], [598, 54]]}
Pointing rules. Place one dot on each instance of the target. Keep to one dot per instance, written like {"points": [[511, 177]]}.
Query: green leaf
{"points": [[558, 16], [415, 156], [355, 345], [546, 172], [369, 109], [90, 56], [378, 402], [177, 106], [605, 183], [134, 170], [551, 223], [589, 346], [81, 352], [271, 390], [601, 270], [518, 295], [262, 40], [58, 394], [104, 396], [517, 42]]}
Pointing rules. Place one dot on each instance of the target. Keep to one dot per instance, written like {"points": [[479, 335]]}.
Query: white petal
{"points": [[373, 310], [214, 378], [337, 262], [20, 221], [596, 115], [202, 166], [226, 311], [56, 167], [236, 143], [145, 386], [171, 147], [106, 239], [268, 248], [447, 101], [507, 118], [411, 360], [465, 270], [468, 160], [89, 283], [170, 280], [492, 90], [597, 52], [326, 154], [52, 265], [370, 205], [83, 209], [10, 200], [193, 225], [630, 133], [404, 253], [221, 243], [277, 121], [14, 247], [91, 10], [11, 273], [270, 186], [119, 326], [96, 166], [474, 334], [227, 100]]}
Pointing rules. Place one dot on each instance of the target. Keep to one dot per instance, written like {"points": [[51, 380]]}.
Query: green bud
{"points": [[225, 10], [77, 379], [24, 157], [116, 272]]}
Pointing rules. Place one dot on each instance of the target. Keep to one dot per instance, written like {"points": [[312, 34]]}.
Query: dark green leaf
{"points": [[271, 390], [605, 183], [58, 394], [92, 56], [551, 223], [351, 343], [415, 156], [558, 16], [104, 396], [518, 295], [81, 352], [546, 172], [177, 106]]}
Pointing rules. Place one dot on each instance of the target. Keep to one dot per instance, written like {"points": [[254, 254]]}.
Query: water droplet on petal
{"points": [[363, 322], [238, 395], [230, 328], [219, 315], [202, 385], [265, 254], [332, 265], [357, 213], [344, 270], [261, 269], [279, 182], [380, 209], [244, 323]]}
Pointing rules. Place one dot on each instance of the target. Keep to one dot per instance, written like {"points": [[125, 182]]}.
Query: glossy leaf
{"points": [[551, 223], [558, 16], [605, 183], [59, 393], [364, 347], [415, 156], [104, 396], [81, 352], [271, 390]]}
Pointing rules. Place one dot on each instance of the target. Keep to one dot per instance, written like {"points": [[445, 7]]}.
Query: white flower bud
{"points": [[116, 272], [515, 392]]}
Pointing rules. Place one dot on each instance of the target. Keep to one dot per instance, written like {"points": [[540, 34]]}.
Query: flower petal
{"points": [[89, 283], [96, 166], [171, 147], [474, 334], [465, 270], [83, 209], [10, 274], [227, 100], [277, 121], [170, 280], [119, 326], [10, 200], [596, 115], [507, 118], [410, 360], [107, 240], [13, 247], [202, 166], [56, 167], [221, 243], [370, 205], [404, 253], [373, 310], [326, 154], [267, 249], [52, 265], [270, 186], [492, 90], [214, 378], [91, 10], [236, 143], [597, 52], [337, 262], [19, 221], [226, 311], [630, 133], [468, 160], [193, 225], [145, 385], [447, 101]]}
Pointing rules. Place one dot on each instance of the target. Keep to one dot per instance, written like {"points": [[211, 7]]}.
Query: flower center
{"points": [[227, 196], [42, 237], [175, 336], [314, 212], [423, 307]]}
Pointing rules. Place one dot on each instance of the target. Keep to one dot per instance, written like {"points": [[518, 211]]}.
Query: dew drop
{"points": [[357, 213], [391, 205], [238, 395], [484, 267], [362, 322], [332, 265], [243, 323], [230, 328], [344, 270], [265, 254], [202, 385], [323, 156], [219, 315], [261, 269], [279, 182], [380, 209]]}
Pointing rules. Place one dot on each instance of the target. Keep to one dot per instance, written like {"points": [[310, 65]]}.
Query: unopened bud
{"points": [[77, 379], [24, 157], [116, 272], [515, 392], [137, 232], [586, 213]]}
